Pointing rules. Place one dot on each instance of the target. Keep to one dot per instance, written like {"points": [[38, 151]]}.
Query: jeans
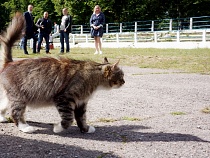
{"points": [[25, 38], [40, 39], [64, 35]]}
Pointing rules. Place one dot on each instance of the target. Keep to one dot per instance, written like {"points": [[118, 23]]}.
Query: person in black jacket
{"points": [[45, 26], [30, 31], [65, 29]]}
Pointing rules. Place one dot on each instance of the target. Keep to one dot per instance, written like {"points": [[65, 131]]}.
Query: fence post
{"points": [[191, 23], [153, 26], [73, 39], [81, 29], [135, 29], [204, 36], [155, 36], [117, 37], [178, 36], [86, 38], [107, 28], [135, 37], [120, 27], [170, 25]]}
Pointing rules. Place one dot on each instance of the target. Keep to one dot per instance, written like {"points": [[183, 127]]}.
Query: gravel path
{"points": [[132, 122]]}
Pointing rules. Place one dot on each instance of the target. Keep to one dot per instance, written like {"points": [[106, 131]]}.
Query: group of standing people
{"points": [[43, 27]]}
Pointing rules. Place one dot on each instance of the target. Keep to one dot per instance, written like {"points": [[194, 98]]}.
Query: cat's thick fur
{"points": [[65, 83]]}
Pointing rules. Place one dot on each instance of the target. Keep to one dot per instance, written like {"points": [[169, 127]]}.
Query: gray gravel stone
{"points": [[134, 121]]}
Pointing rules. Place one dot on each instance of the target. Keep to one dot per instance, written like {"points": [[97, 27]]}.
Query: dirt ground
{"points": [[156, 114]]}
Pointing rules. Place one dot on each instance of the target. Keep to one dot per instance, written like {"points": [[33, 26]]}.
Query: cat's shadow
{"points": [[123, 133]]}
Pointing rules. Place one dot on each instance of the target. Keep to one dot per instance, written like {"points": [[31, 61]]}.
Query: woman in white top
{"points": [[56, 30]]}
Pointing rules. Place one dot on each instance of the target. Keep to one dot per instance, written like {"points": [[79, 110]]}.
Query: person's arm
{"points": [[91, 21], [69, 23], [102, 22], [57, 29], [38, 23], [50, 27]]}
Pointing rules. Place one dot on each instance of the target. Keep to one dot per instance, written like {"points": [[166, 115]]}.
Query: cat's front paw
{"points": [[57, 128], [26, 128], [91, 129], [2, 119]]}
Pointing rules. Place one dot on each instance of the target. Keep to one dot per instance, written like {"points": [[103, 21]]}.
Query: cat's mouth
{"points": [[118, 84]]}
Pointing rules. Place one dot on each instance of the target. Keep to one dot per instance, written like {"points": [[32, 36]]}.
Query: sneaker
{"points": [[100, 52], [96, 52]]}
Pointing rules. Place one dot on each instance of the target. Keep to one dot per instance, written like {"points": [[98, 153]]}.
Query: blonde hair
{"points": [[65, 10], [97, 6]]}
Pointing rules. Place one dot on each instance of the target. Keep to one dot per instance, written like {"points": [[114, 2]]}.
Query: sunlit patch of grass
{"points": [[105, 120], [186, 60], [138, 74], [131, 119], [206, 110], [177, 113], [9, 120]]}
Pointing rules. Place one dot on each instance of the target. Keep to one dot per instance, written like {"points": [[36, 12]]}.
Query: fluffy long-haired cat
{"points": [[65, 83]]}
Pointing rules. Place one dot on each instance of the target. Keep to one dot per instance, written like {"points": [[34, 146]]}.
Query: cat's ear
{"points": [[107, 71], [106, 60], [114, 66]]}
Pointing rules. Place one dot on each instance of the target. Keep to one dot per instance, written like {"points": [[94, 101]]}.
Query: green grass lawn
{"points": [[187, 60]]}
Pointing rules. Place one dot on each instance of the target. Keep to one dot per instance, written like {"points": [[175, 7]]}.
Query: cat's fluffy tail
{"points": [[10, 36]]}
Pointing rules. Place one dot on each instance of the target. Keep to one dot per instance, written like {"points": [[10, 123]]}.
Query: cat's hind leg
{"points": [[18, 110], [80, 116], [3, 107], [65, 108]]}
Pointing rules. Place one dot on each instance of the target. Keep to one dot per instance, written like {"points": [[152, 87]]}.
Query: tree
{"points": [[114, 10]]}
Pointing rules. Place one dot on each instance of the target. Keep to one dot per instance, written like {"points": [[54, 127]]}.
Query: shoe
{"points": [[100, 52], [48, 52], [96, 52]]}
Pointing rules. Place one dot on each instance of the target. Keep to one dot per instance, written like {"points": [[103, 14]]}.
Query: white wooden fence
{"points": [[158, 39]]}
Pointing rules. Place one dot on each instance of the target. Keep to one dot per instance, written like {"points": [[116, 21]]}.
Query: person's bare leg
{"points": [[96, 45], [99, 45]]}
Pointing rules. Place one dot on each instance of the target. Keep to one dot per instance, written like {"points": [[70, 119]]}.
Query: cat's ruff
{"points": [[66, 83]]}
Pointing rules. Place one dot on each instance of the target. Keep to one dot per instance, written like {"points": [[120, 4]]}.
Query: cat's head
{"points": [[113, 73]]}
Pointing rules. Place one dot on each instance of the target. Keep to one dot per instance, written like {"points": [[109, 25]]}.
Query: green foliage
{"points": [[114, 10]]}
